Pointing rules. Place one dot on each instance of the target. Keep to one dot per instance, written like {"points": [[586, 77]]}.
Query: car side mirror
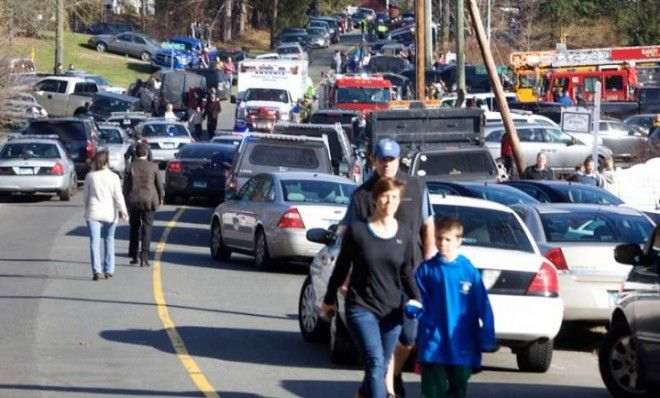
{"points": [[630, 253], [322, 236]]}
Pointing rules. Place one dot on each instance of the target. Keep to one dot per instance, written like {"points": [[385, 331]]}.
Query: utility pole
{"points": [[460, 52], [497, 86], [420, 50], [428, 13], [59, 35], [446, 10]]}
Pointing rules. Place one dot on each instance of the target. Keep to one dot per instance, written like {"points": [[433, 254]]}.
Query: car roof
{"points": [[550, 208], [464, 201], [160, 121], [306, 175], [25, 140]]}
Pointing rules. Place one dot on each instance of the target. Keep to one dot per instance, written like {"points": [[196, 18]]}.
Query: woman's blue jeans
{"points": [[105, 230], [376, 339]]}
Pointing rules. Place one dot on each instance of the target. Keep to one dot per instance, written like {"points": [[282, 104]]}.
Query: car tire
{"points": [[342, 348], [170, 198], [66, 194], [101, 47], [312, 326], [219, 251], [262, 258], [145, 56], [536, 357], [616, 351]]}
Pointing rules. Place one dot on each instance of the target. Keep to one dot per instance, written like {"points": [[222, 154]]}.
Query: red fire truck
{"points": [[360, 92]]}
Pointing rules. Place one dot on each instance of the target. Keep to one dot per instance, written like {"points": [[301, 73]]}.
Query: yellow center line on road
{"points": [[187, 361]]}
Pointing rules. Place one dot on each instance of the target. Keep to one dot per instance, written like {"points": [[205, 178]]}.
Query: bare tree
{"points": [[226, 23]]}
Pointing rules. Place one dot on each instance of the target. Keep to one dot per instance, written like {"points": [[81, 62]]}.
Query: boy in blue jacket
{"points": [[454, 300]]}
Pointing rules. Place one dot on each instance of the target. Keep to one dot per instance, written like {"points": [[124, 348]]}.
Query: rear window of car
{"points": [[595, 227], [311, 191], [577, 194], [108, 104], [208, 151], [455, 164], [30, 150], [288, 50], [284, 157], [487, 228], [164, 130], [66, 130], [110, 135]]}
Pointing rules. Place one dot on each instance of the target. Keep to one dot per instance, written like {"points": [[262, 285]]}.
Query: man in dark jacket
{"points": [[539, 171], [130, 155], [143, 190]]}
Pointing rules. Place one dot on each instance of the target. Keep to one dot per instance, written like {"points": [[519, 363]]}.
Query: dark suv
{"points": [[629, 357], [104, 104], [79, 136]]}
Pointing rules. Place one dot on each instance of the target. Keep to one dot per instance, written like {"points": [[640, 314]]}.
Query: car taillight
{"points": [[57, 170], [556, 257], [89, 149], [545, 282], [233, 184], [174, 167], [291, 219]]}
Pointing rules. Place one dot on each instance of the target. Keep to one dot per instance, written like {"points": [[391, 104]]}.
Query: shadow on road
{"points": [[263, 347], [141, 67], [25, 198], [574, 336]]}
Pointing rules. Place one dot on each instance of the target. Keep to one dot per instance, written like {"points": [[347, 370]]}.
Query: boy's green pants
{"points": [[443, 381]]}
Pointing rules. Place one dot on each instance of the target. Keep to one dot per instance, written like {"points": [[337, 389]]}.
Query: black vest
{"points": [[409, 212]]}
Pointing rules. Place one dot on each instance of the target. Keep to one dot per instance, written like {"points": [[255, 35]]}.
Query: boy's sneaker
{"points": [[398, 387]]}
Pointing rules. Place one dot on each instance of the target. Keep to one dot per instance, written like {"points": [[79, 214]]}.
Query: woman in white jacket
{"points": [[104, 203]]}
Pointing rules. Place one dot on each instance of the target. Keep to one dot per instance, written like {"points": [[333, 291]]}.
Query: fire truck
{"points": [[530, 68], [361, 92]]}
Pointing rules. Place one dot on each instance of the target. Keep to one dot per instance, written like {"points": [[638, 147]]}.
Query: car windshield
{"points": [[284, 157], [65, 129], [266, 94], [363, 95], [98, 80], [110, 135], [312, 191], [501, 194], [29, 150], [487, 227], [226, 151], [316, 32], [574, 193], [164, 130], [580, 226]]}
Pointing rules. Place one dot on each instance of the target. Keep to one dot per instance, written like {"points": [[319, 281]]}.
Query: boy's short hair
{"points": [[449, 224], [387, 184]]}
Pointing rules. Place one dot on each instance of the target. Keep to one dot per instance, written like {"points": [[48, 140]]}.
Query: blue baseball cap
{"points": [[387, 148]]}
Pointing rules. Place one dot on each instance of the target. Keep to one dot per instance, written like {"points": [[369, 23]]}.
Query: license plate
{"points": [[612, 296], [168, 145], [25, 171], [199, 184]]}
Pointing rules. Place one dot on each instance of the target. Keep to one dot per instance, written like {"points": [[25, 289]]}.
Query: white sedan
{"points": [[522, 285]]}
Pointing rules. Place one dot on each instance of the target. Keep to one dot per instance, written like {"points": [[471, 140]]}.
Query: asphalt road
{"points": [[234, 329]]}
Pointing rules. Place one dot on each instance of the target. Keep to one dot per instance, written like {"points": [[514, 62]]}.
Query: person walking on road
{"points": [[456, 319], [103, 203], [338, 61], [229, 71], [212, 113], [379, 250], [143, 189], [506, 153], [130, 154], [540, 170], [416, 214]]}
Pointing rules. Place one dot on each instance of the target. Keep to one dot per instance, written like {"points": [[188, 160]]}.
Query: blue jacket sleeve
{"points": [[487, 338]]}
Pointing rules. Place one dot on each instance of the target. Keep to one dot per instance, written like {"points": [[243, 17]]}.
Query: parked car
{"points": [[292, 51], [108, 28], [293, 30], [230, 139], [65, 95], [579, 240], [565, 192], [272, 212], [624, 141], [116, 141], [261, 153], [200, 169], [320, 38], [102, 84], [301, 38], [512, 267], [643, 121], [79, 136], [36, 165], [628, 357], [128, 120], [105, 104], [352, 121], [499, 193], [133, 44], [165, 138], [563, 151], [181, 53]]}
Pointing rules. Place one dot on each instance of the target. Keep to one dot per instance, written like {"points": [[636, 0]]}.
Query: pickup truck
{"points": [[65, 95]]}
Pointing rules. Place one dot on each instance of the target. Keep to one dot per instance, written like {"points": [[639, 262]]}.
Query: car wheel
{"points": [[218, 249], [262, 258], [312, 327], [66, 194], [536, 357], [342, 348], [101, 47], [145, 56], [617, 362], [170, 198]]}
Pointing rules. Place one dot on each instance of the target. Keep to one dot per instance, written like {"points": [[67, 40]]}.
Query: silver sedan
{"points": [[115, 140], [272, 212], [165, 138], [34, 165]]}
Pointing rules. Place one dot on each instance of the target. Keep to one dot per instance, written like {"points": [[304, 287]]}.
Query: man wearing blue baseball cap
{"points": [[414, 211]]}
